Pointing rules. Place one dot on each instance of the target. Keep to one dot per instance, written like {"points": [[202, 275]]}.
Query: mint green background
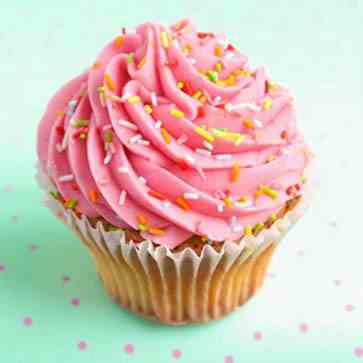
{"points": [[313, 46]]}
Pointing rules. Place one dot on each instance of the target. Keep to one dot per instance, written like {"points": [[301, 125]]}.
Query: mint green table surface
{"points": [[52, 306]]}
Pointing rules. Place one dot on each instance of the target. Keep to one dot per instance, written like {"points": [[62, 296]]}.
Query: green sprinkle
{"points": [[56, 195], [82, 135], [142, 227], [130, 58], [80, 123], [269, 192], [107, 136], [71, 203], [223, 129], [111, 227], [258, 227], [273, 216], [304, 179], [213, 76]]}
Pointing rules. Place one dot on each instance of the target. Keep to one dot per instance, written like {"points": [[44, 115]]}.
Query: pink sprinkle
{"points": [[257, 336], [75, 301], [303, 327], [28, 321], [2, 268], [82, 345], [177, 353], [349, 307], [14, 219], [66, 279], [129, 349], [228, 359], [33, 247], [8, 188], [358, 352]]}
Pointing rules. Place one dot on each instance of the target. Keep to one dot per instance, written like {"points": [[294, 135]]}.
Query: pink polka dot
{"points": [[304, 328], [2, 268], [82, 345], [228, 359], [28, 321], [129, 349], [33, 247], [14, 219], [66, 279], [257, 335], [176, 353], [8, 188], [75, 301], [349, 307], [358, 352]]}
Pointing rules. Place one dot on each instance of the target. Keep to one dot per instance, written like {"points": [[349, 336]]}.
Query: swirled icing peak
{"points": [[172, 133]]}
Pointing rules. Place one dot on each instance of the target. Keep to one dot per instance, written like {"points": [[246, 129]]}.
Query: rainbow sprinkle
{"points": [[212, 76], [93, 195], [248, 230], [122, 198], [130, 58], [142, 220], [156, 231], [156, 195], [218, 51], [107, 136]]}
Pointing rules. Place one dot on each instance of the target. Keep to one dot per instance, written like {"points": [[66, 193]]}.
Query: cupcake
{"points": [[179, 167]]}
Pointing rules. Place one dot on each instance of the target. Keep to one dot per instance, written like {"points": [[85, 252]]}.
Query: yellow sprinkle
{"points": [[231, 80], [180, 84], [271, 86], [197, 95], [270, 158], [248, 230], [165, 135], [218, 51], [142, 63], [60, 113], [164, 39], [228, 202], [204, 239], [229, 136], [218, 67], [118, 41], [258, 193], [109, 82], [134, 99], [187, 49], [269, 191], [203, 99], [267, 103], [273, 216], [156, 231], [248, 123], [243, 199], [240, 140], [241, 72], [148, 109], [205, 134], [142, 227], [258, 227], [221, 82], [176, 113], [235, 173]]}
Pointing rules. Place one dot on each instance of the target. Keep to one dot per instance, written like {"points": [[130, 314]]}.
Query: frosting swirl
{"points": [[172, 133]]}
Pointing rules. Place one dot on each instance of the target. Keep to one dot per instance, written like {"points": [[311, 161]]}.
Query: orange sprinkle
{"points": [[156, 231], [96, 65], [93, 195], [243, 199], [141, 219], [109, 82], [165, 135], [60, 113], [156, 194], [235, 173], [258, 193], [218, 52], [231, 80], [248, 123], [118, 41], [183, 204]]}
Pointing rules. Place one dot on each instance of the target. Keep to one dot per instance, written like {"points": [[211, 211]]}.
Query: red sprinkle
{"points": [[74, 186], [172, 62], [183, 164], [283, 134], [201, 111], [205, 35], [297, 186], [188, 88], [221, 106], [230, 47], [60, 129], [290, 190]]}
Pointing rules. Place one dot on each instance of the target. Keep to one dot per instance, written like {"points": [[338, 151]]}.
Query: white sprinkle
{"points": [[229, 55], [221, 43], [127, 124], [142, 179], [257, 123], [284, 150], [66, 178], [189, 158], [249, 106], [66, 138], [246, 204], [217, 99], [203, 152], [122, 199], [143, 142], [108, 158], [228, 107], [158, 124], [208, 145], [237, 229], [166, 204], [107, 127], [154, 100], [125, 97], [123, 169], [192, 60], [59, 148], [201, 173], [176, 42], [192, 196], [220, 208], [134, 139], [72, 104], [224, 157], [182, 139]]}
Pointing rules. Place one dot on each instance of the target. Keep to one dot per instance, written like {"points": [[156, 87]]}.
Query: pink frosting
{"points": [[190, 183]]}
